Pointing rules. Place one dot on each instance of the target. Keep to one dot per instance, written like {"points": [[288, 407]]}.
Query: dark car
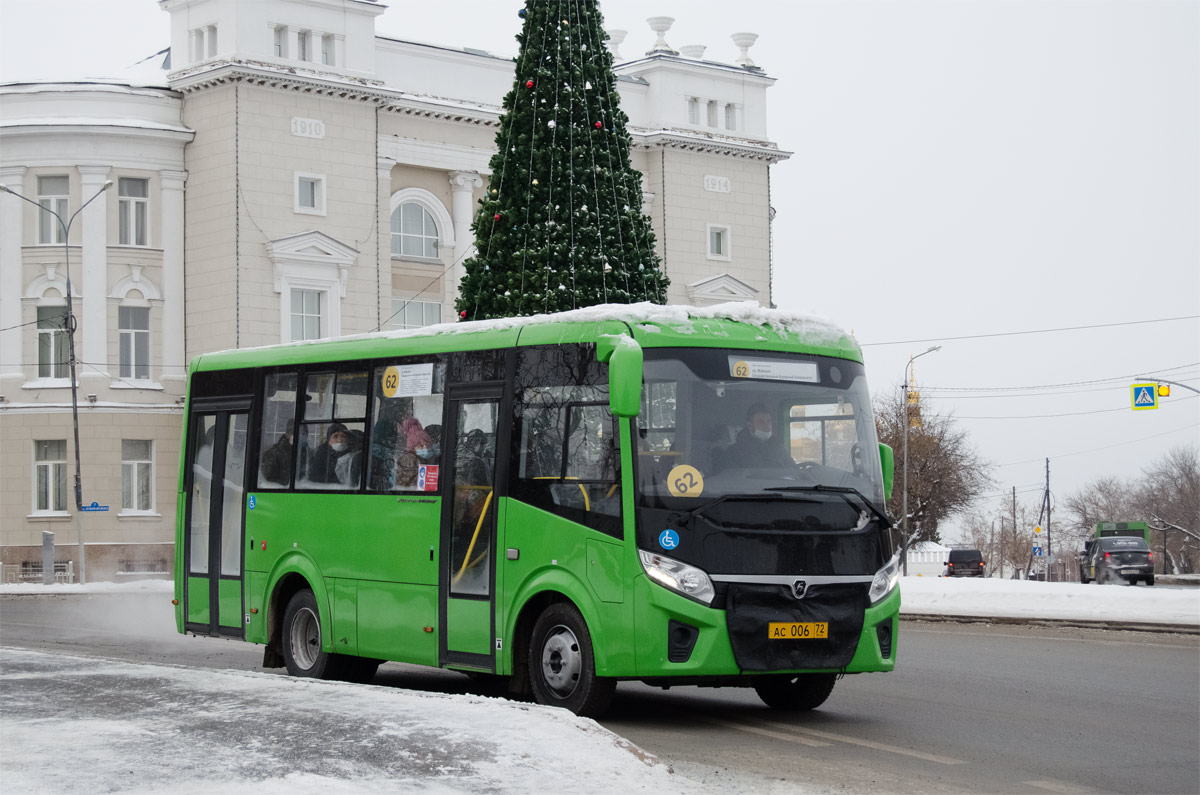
{"points": [[965, 563], [1117, 558]]}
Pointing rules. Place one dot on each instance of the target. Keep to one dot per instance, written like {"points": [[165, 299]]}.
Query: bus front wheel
{"points": [[302, 638], [562, 667], [796, 692]]}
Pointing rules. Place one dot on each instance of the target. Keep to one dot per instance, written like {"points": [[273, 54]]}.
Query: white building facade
{"points": [[292, 176]]}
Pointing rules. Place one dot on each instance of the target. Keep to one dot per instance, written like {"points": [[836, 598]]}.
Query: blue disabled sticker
{"points": [[668, 539], [250, 502]]}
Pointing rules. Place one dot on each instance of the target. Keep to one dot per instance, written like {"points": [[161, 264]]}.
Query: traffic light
{"points": [[1164, 390]]}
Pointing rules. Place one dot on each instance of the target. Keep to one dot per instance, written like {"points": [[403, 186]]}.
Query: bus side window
{"points": [[566, 457], [406, 430], [331, 437], [277, 440]]}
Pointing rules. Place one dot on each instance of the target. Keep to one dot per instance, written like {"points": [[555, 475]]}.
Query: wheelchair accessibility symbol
{"points": [[668, 539]]}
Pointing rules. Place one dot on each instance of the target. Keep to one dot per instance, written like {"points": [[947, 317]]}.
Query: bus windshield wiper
{"points": [[844, 492], [686, 519]]}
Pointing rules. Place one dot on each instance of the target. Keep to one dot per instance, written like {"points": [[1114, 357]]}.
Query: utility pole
{"points": [[1049, 550], [1016, 535]]}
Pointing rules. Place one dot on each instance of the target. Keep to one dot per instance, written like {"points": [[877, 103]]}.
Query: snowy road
{"points": [[1016, 709]]}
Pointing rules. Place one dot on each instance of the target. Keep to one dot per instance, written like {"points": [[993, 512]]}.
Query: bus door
{"points": [[468, 537], [213, 527]]}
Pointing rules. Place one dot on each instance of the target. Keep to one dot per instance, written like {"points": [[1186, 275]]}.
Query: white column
{"points": [[11, 233], [93, 328], [174, 365], [462, 185]]}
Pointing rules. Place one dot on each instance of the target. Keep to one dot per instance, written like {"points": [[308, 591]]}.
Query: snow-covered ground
{"points": [[81, 724]]}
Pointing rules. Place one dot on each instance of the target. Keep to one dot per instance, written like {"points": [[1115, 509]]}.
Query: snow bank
{"points": [[977, 596]]}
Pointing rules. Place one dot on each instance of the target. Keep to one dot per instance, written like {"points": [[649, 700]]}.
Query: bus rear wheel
{"points": [[302, 638], [562, 667], [795, 692]]}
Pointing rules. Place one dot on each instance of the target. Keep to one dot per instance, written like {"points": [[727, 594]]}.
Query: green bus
{"points": [[562, 501]]}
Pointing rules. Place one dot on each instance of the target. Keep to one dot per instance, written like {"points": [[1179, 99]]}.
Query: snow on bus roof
{"points": [[645, 316]]}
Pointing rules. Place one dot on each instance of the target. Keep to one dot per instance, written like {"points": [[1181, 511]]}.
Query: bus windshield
{"points": [[719, 422]]}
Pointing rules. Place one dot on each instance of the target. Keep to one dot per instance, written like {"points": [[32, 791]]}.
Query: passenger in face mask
{"points": [[757, 446], [322, 465]]}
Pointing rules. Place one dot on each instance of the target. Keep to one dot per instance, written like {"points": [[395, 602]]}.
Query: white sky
{"points": [[961, 168]]}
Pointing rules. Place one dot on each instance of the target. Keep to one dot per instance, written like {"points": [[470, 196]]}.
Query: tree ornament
{"points": [[599, 125], [529, 84], [535, 181], [551, 124], [521, 13], [496, 217], [463, 314], [607, 268]]}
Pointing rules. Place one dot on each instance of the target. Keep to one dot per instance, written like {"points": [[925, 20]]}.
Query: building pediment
{"points": [[720, 289], [311, 255]]}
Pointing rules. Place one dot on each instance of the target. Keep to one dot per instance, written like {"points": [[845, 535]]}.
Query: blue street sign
{"points": [[1037, 552], [1145, 396], [95, 506]]}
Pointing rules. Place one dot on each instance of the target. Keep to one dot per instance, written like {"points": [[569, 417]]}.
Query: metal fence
{"points": [[32, 572]]}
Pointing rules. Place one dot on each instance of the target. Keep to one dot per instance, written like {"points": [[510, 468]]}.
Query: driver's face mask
{"points": [[763, 435]]}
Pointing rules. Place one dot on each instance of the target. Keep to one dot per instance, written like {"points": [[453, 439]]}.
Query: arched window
{"points": [[414, 233]]}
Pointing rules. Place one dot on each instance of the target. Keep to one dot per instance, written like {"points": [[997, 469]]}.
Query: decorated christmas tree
{"points": [[561, 223]]}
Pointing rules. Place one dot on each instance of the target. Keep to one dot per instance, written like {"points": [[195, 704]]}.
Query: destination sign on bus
{"points": [[408, 380], [774, 370]]}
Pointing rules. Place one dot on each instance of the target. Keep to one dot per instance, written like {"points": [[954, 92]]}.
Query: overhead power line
{"points": [[1033, 331]]}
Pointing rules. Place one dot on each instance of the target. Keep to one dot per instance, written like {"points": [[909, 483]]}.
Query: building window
{"points": [[414, 234], [133, 326], [693, 110], [306, 315], [137, 475], [718, 242], [712, 113], [302, 45], [134, 211], [280, 34], [731, 117], [52, 195], [310, 193], [409, 313], [50, 475], [52, 342], [328, 51]]}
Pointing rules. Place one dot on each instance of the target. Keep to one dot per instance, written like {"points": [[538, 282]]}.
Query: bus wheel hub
{"points": [[561, 661]]}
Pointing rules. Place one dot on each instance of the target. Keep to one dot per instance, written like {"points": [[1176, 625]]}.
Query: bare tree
{"points": [[1007, 547], [945, 473], [1168, 496]]}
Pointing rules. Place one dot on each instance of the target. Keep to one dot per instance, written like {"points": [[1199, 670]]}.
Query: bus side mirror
{"points": [[624, 357], [888, 459]]}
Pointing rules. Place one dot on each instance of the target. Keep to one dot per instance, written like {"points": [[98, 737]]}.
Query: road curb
{"points": [[1080, 623]]}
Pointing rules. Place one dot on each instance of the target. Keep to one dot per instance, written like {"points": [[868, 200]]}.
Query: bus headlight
{"points": [[678, 577], [885, 580]]}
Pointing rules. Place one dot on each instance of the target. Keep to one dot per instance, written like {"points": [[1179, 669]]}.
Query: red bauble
{"points": [[496, 217], [598, 125], [529, 84], [463, 314]]}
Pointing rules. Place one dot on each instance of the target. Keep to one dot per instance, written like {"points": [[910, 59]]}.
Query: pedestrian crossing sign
{"points": [[1145, 396]]}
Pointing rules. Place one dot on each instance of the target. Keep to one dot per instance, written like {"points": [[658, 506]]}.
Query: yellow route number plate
{"points": [[778, 630]]}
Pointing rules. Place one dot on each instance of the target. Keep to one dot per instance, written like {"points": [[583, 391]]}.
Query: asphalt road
{"points": [[970, 707]]}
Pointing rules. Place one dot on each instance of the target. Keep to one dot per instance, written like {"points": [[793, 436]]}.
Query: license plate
{"points": [[778, 630]]}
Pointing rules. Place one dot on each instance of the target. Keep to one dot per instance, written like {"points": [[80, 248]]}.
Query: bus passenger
{"points": [[321, 467], [277, 460]]}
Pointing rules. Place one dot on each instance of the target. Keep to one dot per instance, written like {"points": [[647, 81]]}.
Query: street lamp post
{"points": [[904, 469], [65, 226]]}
